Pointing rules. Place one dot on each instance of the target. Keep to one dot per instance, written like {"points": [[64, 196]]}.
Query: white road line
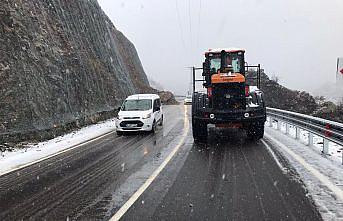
{"points": [[153, 176], [321, 177], [270, 150], [55, 154]]}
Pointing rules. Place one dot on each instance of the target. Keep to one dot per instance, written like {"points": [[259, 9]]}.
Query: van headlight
{"points": [[146, 116]]}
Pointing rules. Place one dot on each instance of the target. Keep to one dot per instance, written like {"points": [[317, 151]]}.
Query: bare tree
{"points": [[275, 78]]}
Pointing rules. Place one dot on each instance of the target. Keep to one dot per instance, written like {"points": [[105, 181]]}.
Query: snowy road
{"points": [[229, 178]]}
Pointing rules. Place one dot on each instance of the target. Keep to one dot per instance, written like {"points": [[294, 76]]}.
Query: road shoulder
{"points": [[321, 176]]}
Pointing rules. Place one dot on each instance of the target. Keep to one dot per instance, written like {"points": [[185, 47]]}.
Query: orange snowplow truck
{"points": [[230, 102]]}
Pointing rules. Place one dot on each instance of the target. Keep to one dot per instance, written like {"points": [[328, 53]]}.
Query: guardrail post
{"points": [[287, 128], [297, 133], [278, 125], [310, 139], [325, 146], [329, 131]]}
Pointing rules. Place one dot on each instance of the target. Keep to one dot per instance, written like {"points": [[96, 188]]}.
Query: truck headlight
{"points": [[146, 116]]}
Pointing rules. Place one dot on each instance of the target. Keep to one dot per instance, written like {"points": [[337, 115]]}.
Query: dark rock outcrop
{"points": [[331, 111], [278, 96], [62, 63], [167, 98]]}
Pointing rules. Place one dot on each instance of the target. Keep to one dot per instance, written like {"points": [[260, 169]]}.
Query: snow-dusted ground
{"points": [[19, 157], [321, 174], [335, 150]]}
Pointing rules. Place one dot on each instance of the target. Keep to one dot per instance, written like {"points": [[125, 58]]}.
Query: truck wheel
{"points": [[255, 131], [199, 131], [199, 127]]}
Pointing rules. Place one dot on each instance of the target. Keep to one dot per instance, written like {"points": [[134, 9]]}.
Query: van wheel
{"points": [[120, 133], [153, 129], [161, 121]]}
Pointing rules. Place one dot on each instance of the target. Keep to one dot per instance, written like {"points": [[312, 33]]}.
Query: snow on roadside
{"points": [[335, 150], [329, 205], [18, 157]]}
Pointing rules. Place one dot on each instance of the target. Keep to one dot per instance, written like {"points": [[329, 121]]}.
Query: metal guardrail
{"points": [[329, 130]]}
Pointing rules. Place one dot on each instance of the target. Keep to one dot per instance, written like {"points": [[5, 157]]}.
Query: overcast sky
{"points": [[296, 40]]}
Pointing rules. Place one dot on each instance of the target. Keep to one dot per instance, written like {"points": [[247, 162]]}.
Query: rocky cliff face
{"points": [[61, 62], [280, 97]]}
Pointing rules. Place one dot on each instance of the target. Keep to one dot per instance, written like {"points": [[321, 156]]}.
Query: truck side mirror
{"points": [[204, 72], [222, 60], [206, 67]]}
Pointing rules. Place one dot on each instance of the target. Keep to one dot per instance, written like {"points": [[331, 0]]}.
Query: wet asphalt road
{"points": [[229, 178], [232, 179]]}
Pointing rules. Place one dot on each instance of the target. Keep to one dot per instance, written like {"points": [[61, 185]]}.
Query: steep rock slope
{"points": [[278, 96], [62, 62]]}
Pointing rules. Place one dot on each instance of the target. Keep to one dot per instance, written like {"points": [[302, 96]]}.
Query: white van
{"points": [[140, 112]]}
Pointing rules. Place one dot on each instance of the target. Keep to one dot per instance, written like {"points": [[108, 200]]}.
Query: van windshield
{"points": [[137, 105]]}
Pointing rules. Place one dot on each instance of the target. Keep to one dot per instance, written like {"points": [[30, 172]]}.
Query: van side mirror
{"points": [[157, 109]]}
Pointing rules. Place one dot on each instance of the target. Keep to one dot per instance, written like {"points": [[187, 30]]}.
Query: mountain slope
{"points": [[61, 62]]}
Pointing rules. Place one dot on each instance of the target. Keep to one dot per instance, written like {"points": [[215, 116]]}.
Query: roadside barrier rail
{"points": [[328, 130]]}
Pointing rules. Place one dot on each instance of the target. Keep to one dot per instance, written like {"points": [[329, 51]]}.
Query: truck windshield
{"points": [[215, 64], [234, 62], [230, 61], [136, 105]]}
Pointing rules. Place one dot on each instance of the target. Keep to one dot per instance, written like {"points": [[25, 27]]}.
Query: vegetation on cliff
{"points": [[278, 96]]}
